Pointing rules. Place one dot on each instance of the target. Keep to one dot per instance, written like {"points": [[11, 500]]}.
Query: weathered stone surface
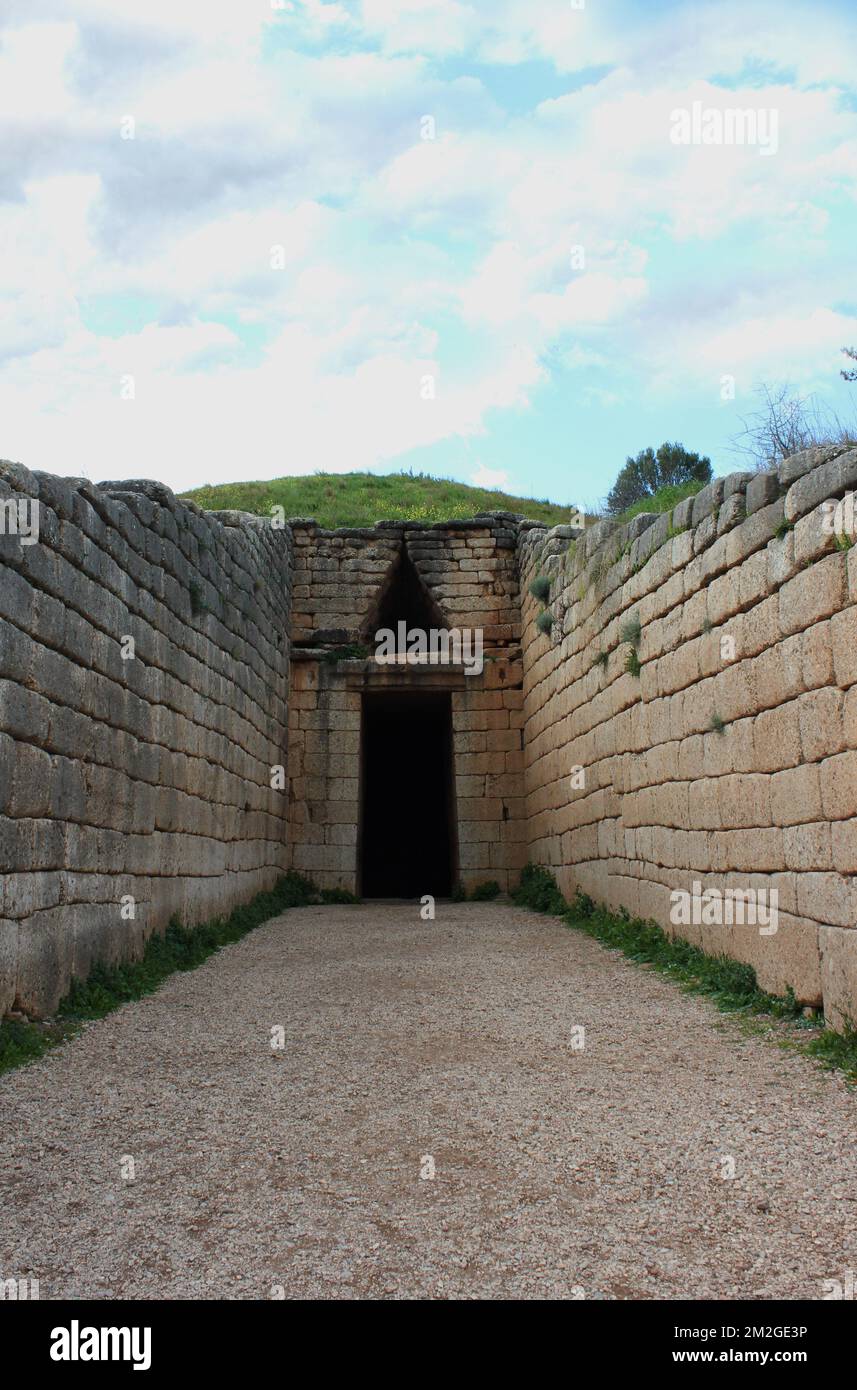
{"points": [[767, 798], [839, 975], [727, 755]]}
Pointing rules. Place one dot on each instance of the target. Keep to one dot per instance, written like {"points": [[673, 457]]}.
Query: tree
{"points": [[644, 475], [786, 423], [850, 373]]}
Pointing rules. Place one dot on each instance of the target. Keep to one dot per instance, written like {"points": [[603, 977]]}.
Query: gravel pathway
{"points": [[411, 1046]]}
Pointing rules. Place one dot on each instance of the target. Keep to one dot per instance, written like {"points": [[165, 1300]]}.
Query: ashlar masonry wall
{"points": [[730, 760], [133, 786], [701, 675], [469, 569]]}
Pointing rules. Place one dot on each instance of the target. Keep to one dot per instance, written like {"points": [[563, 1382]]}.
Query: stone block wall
{"points": [[691, 719], [487, 737], [133, 787], [730, 758], [469, 570], [468, 567], [324, 773]]}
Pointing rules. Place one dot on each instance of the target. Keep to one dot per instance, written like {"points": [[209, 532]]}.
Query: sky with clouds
{"points": [[242, 238]]}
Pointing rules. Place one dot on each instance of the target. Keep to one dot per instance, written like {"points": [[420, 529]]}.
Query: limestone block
{"points": [[707, 501], [826, 898], [822, 724], [838, 775], [734, 697], [817, 656], [762, 490], [744, 800], [839, 976], [32, 772], [851, 569], [340, 834], [342, 788], [761, 628], [731, 513], [843, 636], [754, 851], [790, 959], [796, 795], [753, 584], [843, 837], [704, 533], [813, 538], [44, 962], [476, 856], [781, 560], [768, 678], [797, 465], [808, 846], [479, 808], [828, 480], [777, 738], [849, 718], [704, 804], [814, 594], [23, 714]]}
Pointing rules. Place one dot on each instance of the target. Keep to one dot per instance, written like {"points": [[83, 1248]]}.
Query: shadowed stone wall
{"points": [[144, 778]]}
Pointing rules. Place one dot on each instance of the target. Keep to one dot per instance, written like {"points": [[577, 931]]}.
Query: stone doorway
{"points": [[407, 840]]}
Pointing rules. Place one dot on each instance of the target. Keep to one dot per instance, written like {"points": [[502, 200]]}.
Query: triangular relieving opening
{"points": [[405, 598]]}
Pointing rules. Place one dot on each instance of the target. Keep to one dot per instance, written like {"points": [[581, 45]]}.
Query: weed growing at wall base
{"points": [[730, 984], [179, 948]]}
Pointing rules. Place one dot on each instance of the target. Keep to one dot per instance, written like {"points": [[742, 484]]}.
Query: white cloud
{"points": [[799, 345], [490, 478], [403, 257]]}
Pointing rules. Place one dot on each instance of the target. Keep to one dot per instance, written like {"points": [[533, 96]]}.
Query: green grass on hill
{"points": [[661, 501], [361, 499]]}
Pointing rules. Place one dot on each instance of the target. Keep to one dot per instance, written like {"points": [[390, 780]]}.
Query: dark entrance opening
{"points": [[407, 820]]}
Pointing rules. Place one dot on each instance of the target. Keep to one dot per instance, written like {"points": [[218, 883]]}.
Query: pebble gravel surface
{"points": [[431, 1127]]}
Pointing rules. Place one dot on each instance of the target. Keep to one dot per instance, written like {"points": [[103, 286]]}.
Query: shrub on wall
{"points": [[540, 588]]}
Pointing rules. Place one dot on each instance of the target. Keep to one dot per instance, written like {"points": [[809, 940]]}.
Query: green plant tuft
{"points": [[836, 1050], [337, 895], [633, 665], [630, 631], [353, 651], [538, 891], [541, 587], [485, 892], [544, 621], [718, 725]]}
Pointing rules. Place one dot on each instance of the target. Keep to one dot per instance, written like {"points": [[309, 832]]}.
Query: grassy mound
{"points": [[361, 499]]}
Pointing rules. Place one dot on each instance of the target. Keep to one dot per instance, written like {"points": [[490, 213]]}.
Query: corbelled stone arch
{"points": [[403, 596]]}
